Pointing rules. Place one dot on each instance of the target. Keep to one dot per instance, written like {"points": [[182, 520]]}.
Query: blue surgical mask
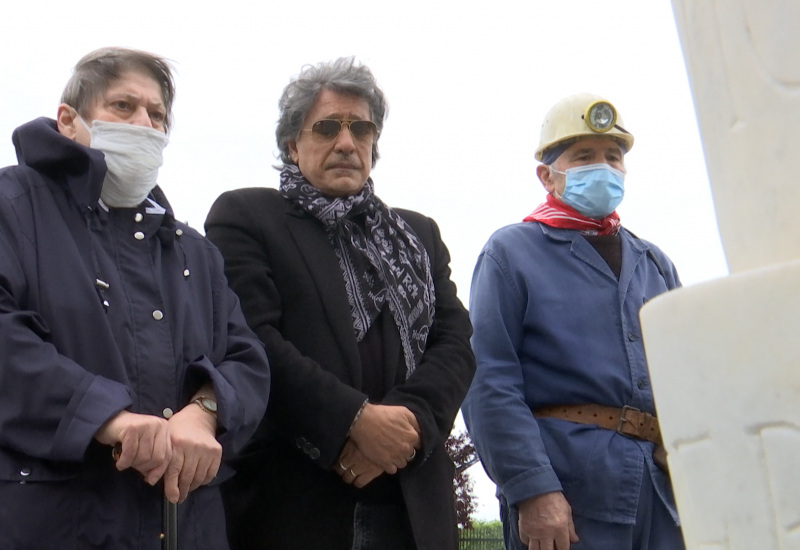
{"points": [[594, 190]]}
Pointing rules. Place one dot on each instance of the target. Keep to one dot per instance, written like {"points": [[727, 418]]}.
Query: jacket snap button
{"points": [[157, 315], [138, 235]]}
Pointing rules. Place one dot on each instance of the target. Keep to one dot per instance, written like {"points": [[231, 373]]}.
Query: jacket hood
{"points": [[81, 169]]}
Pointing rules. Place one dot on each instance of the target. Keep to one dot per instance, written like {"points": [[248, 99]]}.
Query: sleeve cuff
{"points": [[99, 401], [530, 484]]}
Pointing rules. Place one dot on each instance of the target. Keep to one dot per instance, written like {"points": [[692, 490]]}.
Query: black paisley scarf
{"points": [[382, 260]]}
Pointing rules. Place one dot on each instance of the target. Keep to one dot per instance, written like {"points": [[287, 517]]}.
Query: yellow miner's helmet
{"points": [[580, 116]]}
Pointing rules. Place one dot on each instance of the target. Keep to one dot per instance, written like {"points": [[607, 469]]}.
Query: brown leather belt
{"points": [[627, 420]]}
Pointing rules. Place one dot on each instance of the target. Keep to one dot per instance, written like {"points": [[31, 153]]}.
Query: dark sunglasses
{"points": [[328, 128]]}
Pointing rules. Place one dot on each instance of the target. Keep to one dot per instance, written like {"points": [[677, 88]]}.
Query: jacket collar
{"points": [[633, 249], [80, 169], [579, 247]]}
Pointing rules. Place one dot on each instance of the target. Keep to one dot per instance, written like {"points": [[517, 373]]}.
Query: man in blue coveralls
{"points": [[561, 409]]}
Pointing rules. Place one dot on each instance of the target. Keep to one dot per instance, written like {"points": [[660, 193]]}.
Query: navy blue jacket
{"points": [[72, 354]]}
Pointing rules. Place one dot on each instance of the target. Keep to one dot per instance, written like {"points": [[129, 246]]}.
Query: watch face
{"points": [[208, 403]]}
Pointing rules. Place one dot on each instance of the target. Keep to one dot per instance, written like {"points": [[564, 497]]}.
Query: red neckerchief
{"points": [[555, 213]]}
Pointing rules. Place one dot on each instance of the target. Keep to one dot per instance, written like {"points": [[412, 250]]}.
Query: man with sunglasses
{"points": [[367, 341], [561, 409]]}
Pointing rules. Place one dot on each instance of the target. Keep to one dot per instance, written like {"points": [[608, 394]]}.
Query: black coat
{"points": [[282, 265]]}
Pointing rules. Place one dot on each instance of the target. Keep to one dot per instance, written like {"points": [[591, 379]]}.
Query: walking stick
{"points": [[169, 517], [169, 526]]}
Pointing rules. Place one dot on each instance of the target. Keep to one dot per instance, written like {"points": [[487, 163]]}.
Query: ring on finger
{"points": [[343, 467], [352, 473], [413, 454]]}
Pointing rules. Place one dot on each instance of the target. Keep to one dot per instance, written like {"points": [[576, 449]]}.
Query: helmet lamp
{"points": [[600, 116]]}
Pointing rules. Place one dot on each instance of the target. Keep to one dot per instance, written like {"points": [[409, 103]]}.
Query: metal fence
{"points": [[481, 538]]}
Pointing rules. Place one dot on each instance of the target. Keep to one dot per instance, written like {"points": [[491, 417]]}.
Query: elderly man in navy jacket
{"points": [[117, 329]]}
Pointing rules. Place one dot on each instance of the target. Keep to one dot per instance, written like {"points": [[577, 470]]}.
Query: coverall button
{"points": [[158, 315], [138, 235], [138, 217]]}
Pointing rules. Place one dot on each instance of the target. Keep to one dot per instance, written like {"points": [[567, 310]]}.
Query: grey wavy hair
{"points": [[97, 70], [344, 75]]}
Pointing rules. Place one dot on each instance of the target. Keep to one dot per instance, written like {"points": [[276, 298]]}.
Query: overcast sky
{"points": [[468, 85]]}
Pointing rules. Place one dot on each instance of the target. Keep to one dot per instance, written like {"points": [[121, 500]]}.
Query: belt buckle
{"points": [[623, 418]]}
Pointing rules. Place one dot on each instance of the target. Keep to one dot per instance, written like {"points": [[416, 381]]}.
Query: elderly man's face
{"points": [[338, 166], [134, 98], [581, 153]]}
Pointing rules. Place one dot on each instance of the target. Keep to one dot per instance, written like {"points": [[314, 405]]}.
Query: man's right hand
{"points": [[144, 441], [545, 522]]}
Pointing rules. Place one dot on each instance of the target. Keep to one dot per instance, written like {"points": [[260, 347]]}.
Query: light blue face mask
{"points": [[594, 190]]}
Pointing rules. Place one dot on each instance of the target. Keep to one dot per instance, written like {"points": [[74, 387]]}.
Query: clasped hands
{"points": [[384, 439], [182, 450]]}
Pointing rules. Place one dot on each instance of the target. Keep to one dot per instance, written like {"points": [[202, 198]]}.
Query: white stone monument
{"points": [[725, 355]]}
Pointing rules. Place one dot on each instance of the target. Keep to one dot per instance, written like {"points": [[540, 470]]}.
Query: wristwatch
{"points": [[207, 404]]}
